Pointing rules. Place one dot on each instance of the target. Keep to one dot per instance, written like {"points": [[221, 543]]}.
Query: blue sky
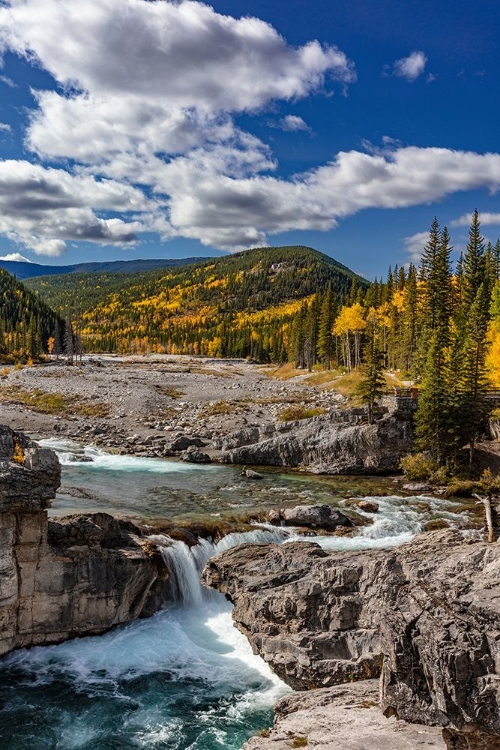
{"points": [[160, 129]]}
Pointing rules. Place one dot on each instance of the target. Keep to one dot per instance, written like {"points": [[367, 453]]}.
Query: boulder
{"points": [[315, 517], [368, 506], [335, 443]]}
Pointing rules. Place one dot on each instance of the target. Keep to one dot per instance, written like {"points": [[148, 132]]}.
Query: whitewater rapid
{"points": [[184, 679]]}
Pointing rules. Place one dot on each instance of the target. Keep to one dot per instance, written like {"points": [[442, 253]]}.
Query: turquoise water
{"points": [[184, 679]]}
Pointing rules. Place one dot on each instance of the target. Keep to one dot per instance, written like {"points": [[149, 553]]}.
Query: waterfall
{"points": [[185, 563]]}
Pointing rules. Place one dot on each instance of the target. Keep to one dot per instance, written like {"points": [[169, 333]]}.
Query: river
{"points": [[184, 679]]}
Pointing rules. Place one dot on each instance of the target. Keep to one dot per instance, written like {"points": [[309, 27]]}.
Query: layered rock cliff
{"points": [[426, 616], [339, 442], [60, 579]]}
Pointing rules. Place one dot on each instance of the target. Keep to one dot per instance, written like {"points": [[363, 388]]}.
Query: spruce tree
{"points": [[325, 333], [372, 384], [473, 382]]}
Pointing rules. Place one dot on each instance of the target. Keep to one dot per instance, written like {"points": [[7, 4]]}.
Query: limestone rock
{"points": [[335, 443], [345, 717], [73, 576], [428, 611]]}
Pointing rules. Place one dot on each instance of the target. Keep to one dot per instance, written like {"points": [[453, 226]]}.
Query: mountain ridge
{"points": [[24, 270]]}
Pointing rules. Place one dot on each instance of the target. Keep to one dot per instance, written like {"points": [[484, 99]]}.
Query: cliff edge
{"points": [[69, 577]]}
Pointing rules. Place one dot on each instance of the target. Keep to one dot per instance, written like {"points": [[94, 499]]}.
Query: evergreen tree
{"points": [[474, 266], [325, 334], [473, 383], [372, 384]]}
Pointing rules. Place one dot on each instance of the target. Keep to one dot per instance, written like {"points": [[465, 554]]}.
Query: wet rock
{"points": [[315, 517], [368, 506], [251, 474], [195, 456]]}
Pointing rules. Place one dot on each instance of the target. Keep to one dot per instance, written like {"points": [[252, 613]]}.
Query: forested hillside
{"points": [[27, 324], [240, 305]]}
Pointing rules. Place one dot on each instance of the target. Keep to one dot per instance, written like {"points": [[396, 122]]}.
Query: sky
{"points": [[155, 129]]}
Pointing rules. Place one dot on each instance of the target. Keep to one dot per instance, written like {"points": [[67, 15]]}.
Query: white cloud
{"points": [[5, 128], [16, 257], [414, 245], [208, 203], [41, 208], [487, 219], [410, 67], [291, 123], [144, 111]]}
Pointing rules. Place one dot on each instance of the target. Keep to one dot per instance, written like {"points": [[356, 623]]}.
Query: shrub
{"points": [[299, 742], [418, 466]]}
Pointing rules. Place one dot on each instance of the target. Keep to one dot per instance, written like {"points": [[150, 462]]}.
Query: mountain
{"points": [[22, 270], [237, 305], [26, 323]]}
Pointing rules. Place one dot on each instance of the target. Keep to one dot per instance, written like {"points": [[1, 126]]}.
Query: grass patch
{"points": [[347, 385], [323, 378], [170, 391], [299, 742], [286, 372], [294, 413], [219, 409], [53, 403]]}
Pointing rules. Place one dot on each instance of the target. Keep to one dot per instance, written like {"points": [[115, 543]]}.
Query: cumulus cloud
{"points": [[41, 208], [414, 245], [410, 67], [143, 113], [15, 257], [291, 123], [5, 128], [487, 219], [219, 209]]}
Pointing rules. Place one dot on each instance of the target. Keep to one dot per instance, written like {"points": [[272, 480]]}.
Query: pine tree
{"points": [[473, 383], [372, 384], [474, 266], [325, 333]]}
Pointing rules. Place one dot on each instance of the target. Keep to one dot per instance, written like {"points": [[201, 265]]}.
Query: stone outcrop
{"points": [[345, 717], [312, 517], [60, 579], [427, 615], [339, 442]]}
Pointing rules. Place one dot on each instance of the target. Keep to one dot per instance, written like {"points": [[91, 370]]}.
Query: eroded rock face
{"points": [[328, 444], [430, 611], [75, 576]]}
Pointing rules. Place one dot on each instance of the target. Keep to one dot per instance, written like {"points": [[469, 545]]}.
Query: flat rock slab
{"points": [[342, 718]]}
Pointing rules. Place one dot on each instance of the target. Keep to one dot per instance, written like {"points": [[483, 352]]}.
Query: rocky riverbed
{"points": [[203, 411]]}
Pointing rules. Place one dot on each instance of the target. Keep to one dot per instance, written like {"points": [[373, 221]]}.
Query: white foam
{"points": [[72, 454]]}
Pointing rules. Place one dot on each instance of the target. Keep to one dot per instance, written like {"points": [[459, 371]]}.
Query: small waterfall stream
{"points": [[186, 563]]}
